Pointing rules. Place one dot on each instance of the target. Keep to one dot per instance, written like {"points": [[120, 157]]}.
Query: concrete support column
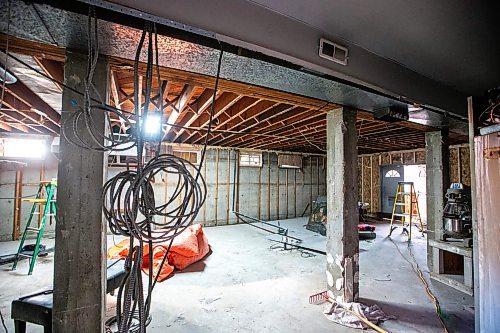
{"points": [[342, 247], [438, 181], [79, 268]]}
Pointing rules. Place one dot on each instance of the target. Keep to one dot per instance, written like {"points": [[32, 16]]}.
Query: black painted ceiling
{"points": [[455, 42]]}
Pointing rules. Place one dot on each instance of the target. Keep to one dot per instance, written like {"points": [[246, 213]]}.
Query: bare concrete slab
{"points": [[245, 286]]}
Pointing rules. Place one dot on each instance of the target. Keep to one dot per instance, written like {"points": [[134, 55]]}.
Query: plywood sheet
{"points": [[454, 167], [465, 165], [420, 157], [409, 157], [386, 159], [375, 205], [397, 158], [366, 179], [488, 227]]}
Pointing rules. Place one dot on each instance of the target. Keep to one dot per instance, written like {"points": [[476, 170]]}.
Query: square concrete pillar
{"points": [[342, 246], [437, 155], [80, 248]]}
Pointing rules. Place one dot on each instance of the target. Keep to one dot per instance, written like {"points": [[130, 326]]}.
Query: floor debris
{"points": [[338, 314]]}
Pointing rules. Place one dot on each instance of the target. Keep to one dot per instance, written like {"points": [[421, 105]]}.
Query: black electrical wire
{"points": [[130, 207], [3, 323], [62, 84], [82, 123], [129, 198]]}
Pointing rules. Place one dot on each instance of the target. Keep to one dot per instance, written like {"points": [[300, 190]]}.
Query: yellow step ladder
{"points": [[406, 207]]}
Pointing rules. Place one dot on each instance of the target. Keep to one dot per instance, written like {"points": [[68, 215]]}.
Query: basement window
{"points": [[189, 155], [392, 174], [251, 159], [22, 148]]}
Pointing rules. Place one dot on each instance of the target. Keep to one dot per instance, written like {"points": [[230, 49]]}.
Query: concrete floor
{"points": [[245, 286]]}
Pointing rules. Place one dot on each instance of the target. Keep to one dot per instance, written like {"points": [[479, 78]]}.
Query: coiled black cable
{"points": [[130, 204], [81, 123], [130, 207]]}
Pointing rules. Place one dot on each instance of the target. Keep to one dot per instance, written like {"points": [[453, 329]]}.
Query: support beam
{"points": [[221, 105], [80, 249], [115, 88], [52, 68], [437, 182], [19, 121], [21, 91], [184, 98], [28, 112], [5, 127], [200, 105], [342, 248], [16, 230]]}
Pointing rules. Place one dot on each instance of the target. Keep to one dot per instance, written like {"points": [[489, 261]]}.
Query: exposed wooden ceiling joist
{"points": [[244, 116]]}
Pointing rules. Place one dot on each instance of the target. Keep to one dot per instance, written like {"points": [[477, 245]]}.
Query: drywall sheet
{"points": [[488, 226]]}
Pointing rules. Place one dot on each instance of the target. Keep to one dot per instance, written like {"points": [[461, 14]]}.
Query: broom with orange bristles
{"points": [[323, 297]]}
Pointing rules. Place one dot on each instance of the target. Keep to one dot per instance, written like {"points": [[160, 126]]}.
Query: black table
{"points": [[37, 308]]}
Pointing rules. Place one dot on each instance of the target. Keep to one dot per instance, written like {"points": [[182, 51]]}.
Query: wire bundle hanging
{"points": [[82, 122], [129, 202]]}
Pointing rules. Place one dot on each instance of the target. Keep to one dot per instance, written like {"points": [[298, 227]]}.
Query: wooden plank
{"points": [[182, 101], [294, 193], [311, 185], [53, 69], [459, 165], [286, 191], [115, 88], [216, 194], [5, 126], [317, 174], [268, 186], [232, 114], [238, 184], [362, 180], [41, 207], [228, 184], [259, 192], [19, 122], [203, 102], [277, 191], [450, 247], [26, 110], [22, 92], [18, 193], [371, 183], [249, 116], [221, 104], [248, 125]]}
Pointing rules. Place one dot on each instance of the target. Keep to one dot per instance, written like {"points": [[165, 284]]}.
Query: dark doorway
{"points": [[390, 176]]}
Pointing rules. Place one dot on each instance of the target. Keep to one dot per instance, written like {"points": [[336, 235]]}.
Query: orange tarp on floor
{"points": [[187, 248]]}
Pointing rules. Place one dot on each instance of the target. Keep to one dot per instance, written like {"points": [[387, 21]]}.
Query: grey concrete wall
{"points": [[32, 174], [303, 187]]}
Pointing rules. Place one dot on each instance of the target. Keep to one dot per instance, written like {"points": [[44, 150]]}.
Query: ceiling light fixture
{"points": [[152, 124]]}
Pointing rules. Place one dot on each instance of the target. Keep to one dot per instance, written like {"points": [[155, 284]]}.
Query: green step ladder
{"points": [[49, 209]]}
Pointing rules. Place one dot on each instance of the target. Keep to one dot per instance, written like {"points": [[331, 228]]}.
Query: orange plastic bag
{"points": [[188, 247]]}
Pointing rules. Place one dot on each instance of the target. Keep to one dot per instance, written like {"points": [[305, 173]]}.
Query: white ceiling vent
{"points": [[333, 52]]}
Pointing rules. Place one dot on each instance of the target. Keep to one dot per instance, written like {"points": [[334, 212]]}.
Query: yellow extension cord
{"points": [[418, 272]]}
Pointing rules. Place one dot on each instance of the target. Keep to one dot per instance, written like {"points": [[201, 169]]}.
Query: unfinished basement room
{"points": [[249, 166]]}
